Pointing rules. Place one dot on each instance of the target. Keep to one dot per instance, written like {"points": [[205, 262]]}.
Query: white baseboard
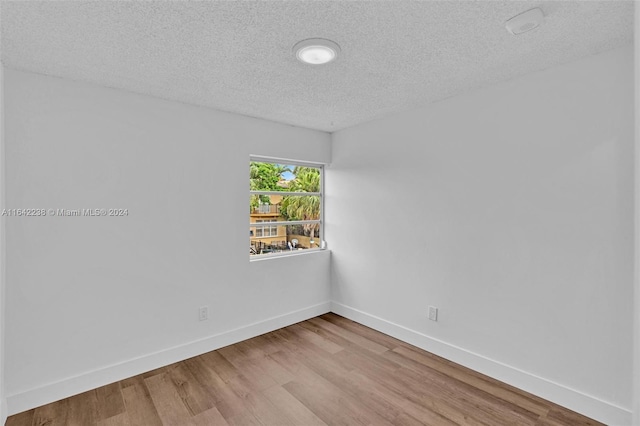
{"points": [[575, 400], [3, 411], [74, 385]]}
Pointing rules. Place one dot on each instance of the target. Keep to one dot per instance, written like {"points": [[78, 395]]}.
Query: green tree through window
{"points": [[307, 179]]}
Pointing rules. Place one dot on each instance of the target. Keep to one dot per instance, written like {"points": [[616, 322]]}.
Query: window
{"points": [[267, 231], [285, 206]]}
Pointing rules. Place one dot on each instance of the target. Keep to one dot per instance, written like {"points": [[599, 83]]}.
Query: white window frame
{"points": [[320, 194]]}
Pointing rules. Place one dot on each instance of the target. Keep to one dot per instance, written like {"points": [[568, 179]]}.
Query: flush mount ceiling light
{"points": [[316, 51]]}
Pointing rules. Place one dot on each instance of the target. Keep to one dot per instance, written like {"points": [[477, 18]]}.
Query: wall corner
{"points": [[636, 281]]}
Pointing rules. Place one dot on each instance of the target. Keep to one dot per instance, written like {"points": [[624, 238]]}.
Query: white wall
{"points": [[3, 399], [636, 310], [92, 300], [510, 209]]}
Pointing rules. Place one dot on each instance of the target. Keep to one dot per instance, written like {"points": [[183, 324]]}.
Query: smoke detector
{"points": [[524, 22]]}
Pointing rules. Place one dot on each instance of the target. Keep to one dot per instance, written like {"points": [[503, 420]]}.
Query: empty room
{"points": [[438, 198]]}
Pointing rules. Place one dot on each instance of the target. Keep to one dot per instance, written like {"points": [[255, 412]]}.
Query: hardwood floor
{"points": [[324, 371]]}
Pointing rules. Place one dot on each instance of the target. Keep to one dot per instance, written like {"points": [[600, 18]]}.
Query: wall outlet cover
{"points": [[203, 313], [433, 313]]}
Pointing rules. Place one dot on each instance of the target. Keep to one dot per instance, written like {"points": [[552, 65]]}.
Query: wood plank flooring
{"points": [[324, 371]]}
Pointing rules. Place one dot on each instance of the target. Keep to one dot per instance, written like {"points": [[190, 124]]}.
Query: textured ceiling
{"points": [[236, 56]]}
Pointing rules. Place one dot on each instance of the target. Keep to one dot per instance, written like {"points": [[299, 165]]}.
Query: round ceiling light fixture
{"points": [[316, 51]]}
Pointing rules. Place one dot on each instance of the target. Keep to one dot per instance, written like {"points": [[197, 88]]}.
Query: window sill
{"points": [[262, 257]]}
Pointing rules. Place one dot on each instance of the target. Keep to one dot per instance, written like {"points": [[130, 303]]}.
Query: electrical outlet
{"points": [[203, 313], [433, 313]]}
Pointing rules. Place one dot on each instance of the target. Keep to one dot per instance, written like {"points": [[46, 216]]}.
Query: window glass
{"points": [[282, 193]]}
